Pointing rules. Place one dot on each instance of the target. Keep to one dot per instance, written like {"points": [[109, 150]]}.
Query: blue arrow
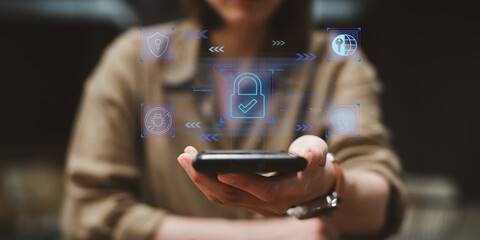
{"points": [[197, 125], [186, 34], [313, 56], [194, 34], [201, 137], [211, 49], [310, 127], [213, 137], [207, 137], [187, 125], [306, 56], [298, 127], [304, 127], [299, 56], [221, 49], [202, 34]]}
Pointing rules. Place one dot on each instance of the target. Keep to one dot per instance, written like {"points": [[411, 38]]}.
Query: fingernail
{"points": [[227, 178], [309, 156]]}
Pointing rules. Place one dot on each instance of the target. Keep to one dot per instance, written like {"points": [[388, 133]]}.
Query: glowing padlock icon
{"points": [[247, 105]]}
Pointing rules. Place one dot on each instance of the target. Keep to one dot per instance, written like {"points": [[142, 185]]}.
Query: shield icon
{"points": [[157, 44]]}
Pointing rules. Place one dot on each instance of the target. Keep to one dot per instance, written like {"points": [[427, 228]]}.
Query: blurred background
{"points": [[425, 52]]}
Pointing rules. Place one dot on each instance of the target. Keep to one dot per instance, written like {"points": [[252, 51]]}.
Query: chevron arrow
{"points": [[192, 125], [202, 34], [195, 34], [216, 49], [306, 56], [186, 34], [299, 56], [214, 137], [201, 137], [278, 42], [303, 127], [207, 137]]}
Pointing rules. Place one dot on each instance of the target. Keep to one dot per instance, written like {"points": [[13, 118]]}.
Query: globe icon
{"points": [[344, 45]]}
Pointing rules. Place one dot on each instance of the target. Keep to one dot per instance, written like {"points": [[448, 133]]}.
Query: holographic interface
{"points": [[255, 100]]}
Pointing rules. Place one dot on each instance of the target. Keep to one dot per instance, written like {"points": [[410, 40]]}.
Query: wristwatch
{"points": [[323, 205]]}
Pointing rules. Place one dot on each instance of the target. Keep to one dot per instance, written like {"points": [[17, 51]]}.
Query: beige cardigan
{"points": [[119, 185]]}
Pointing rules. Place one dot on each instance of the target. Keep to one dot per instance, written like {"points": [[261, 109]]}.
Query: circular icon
{"points": [[343, 121], [344, 44], [158, 120]]}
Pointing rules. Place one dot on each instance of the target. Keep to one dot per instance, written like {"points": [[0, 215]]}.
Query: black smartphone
{"points": [[247, 161]]}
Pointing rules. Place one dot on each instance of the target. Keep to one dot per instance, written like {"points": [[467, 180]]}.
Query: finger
{"points": [[315, 155], [185, 159], [294, 148], [306, 144], [230, 196], [264, 188], [191, 150], [218, 192]]}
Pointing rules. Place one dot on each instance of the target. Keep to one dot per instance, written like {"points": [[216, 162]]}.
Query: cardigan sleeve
{"points": [[103, 172]]}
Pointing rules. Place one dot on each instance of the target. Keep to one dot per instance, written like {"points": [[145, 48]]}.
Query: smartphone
{"points": [[247, 161]]}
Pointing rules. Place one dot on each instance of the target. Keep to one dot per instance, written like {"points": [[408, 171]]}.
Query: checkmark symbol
{"points": [[249, 106]]}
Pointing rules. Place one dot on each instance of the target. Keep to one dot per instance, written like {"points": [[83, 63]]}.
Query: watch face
{"points": [[158, 121]]}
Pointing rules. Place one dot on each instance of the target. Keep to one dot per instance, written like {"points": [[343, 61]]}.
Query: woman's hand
{"points": [[268, 195]]}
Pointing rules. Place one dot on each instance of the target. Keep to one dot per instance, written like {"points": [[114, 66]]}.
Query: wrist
{"points": [[326, 203], [323, 183]]}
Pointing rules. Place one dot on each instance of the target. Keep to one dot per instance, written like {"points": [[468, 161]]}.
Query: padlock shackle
{"points": [[252, 76]]}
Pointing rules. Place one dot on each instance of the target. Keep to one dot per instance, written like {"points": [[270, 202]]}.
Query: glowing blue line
{"points": [[203, 90]]}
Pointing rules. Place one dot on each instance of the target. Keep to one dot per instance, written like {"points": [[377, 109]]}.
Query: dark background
{"points": [[425, 52]]}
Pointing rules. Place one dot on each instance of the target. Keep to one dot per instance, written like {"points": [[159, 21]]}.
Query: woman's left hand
{"points": [[269, 195]]}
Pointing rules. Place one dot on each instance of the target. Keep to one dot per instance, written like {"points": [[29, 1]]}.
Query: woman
{"points": [[122, 187]]}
